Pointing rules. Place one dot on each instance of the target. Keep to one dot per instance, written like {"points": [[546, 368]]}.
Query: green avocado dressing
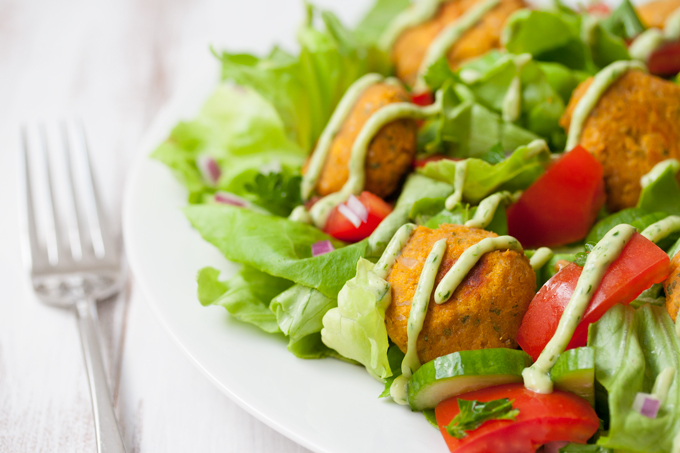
{"points": [[540, 257], [357, 161], [449, 36], [458, 185], [338, 117], [412, 16], [536, 377], [653, 38], [663, 383], [466, 262], [602, 80], [658, 170], [384, 265], [512, 101], [661, 229], [487, 208]]}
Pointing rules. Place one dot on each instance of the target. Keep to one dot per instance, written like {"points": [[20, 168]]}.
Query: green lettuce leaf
{"points": [[299, 311], [624, 21], [394, 358], [562, 79], [638, 217], [662, 194], [246, 295], [517, 172], [377, 19], [356, 328], [276, 246], [631, 348]]}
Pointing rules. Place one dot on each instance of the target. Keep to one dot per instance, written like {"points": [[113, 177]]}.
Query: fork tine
{"points": [[30, 227], [72, 224], [96, 223], [51, 222]]}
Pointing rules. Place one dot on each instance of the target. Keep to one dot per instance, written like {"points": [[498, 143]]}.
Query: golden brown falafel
{"points": [[390, 153], [486, 309], [410, 47], [654, 14], [672, 288], [635, 125]]}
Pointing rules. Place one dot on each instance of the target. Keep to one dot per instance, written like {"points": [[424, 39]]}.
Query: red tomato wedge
{"points": [[341, 227], [639, 266], [561, 206], [542, 418], [665, 61], [422, 99], [418, 163]]}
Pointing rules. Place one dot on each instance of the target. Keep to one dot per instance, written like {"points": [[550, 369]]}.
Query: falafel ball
{"points": [[486, 309], [654, 14], [390, 153], [635, 125], [410, 47], [672, 288]]}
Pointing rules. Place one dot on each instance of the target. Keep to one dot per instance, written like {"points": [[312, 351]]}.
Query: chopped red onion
{"points": [[349, 215], [210, 170], [321, 247], [230, 199], [358, 208], [646, 404], [554, 447]]}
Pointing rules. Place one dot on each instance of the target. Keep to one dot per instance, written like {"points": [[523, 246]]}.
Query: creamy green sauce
{"points": [[466, 262], [338, 117], [663, 383], [661, 229], [659, 169], [421, 300], [602, 80], [398, 389], [653, 38], [536, 147], [449, 36], [512, 101], [487, 209], [301, 215], [357, 161], [384, 265], [458, 185], [536, 377], [540, 257], [412, 16]]}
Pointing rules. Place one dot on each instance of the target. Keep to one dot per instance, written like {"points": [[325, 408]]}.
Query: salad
{"points": [[475, 200]]}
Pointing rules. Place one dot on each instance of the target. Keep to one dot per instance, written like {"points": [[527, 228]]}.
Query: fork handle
{"points": [[109, 439]]}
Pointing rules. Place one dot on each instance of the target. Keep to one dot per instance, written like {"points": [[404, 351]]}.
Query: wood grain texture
{"points": [[113, 63]]}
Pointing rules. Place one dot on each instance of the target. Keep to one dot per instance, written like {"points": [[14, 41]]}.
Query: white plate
{"points": [[326, 405]]}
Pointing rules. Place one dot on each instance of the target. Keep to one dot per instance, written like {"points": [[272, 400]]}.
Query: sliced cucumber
{"points": [[574, 372], [462, 372]]}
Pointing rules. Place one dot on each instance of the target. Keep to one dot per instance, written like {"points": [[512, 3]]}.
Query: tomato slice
{"points": [[542, 418], [418, 163], [560, 207], [340, 227], [422, 99], [639, 266], [665, 61]]}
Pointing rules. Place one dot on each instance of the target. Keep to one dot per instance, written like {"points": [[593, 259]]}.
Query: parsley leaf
{"points": [[495, 155], [474, 413], [582, 256], [278, 193]]}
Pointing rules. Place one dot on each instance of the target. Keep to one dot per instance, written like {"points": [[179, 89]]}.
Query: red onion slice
{"points": [[358, 208], [209, 168], [230, 199], [646, 404], [322, 247], [349, 215]]}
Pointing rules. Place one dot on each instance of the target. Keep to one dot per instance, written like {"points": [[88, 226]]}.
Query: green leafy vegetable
{"points": [[278, 193], [276, 246], [662, 194], [517, 172], [637, 217], [431, 417], [581, 257], [377, 18], [246, 295], [474, 413], [624, 21], [494, 155], [394, 358], [632, 347], [356, 328], [584, 448]]}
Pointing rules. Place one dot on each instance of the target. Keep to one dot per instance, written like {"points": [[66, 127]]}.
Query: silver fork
{"points": [[73, 258]]}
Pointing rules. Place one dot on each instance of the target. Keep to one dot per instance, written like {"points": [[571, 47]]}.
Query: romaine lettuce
{"points": [[662, 194]]}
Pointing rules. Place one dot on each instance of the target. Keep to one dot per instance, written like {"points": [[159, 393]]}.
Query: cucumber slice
{"points": [[462, 372], [574, 372]]}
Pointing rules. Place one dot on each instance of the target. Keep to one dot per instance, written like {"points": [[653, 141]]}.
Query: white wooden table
{"points": [[115, 63]]}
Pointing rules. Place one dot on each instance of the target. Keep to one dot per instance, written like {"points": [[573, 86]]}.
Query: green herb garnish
{"points": [[581, 257], [474, 413], [278, 193], [495, 155]]}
